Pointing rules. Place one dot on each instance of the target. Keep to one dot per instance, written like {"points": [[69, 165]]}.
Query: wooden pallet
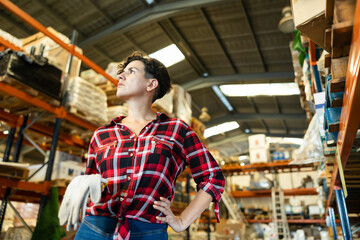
{"points": [[81, 114]]}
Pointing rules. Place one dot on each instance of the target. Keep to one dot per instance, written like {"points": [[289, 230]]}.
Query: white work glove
{"points": [[75, 198]]}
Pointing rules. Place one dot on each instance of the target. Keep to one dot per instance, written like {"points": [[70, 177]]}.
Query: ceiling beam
{"points": [[56, 15], [164, 10], [279, 110], [101, 11], [110, 20], [237, 138], [254, 106], [217, 38], [17, 25], [249, 25], [175, 36], [204, 82], [252, 116]]}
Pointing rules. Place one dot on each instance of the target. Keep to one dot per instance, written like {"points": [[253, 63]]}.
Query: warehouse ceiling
{"points": [[224, 41]]}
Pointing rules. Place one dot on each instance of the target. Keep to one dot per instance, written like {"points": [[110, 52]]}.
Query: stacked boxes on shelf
{"points": [[259, 149], [56, 55], [182, 103], [91, 76], [87, 100]]}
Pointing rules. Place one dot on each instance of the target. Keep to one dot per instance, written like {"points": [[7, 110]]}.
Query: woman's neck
{"points": [[140, 111]]}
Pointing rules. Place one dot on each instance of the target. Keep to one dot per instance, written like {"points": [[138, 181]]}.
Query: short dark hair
{"points": [[153, 69]]}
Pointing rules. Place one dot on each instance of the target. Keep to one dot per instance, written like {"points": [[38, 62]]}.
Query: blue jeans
{"points": [[102, 228]]}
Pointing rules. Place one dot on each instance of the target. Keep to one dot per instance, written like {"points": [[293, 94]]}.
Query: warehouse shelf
{"points": [[277, 165], [68, 47], [267, 193], [15, 120], [58, 111], [26, 191], [37, 192], [350, 118]]}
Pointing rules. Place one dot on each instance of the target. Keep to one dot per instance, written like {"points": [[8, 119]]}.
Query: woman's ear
{"points": [[152, 85]]}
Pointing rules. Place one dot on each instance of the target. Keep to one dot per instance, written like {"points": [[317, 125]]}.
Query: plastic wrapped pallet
{"points": [[115, 111], [87, 100], [91, 76], [165, 103], [182, 104]]}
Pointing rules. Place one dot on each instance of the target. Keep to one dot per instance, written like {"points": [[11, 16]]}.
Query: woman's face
{"points": [[132, 81]]}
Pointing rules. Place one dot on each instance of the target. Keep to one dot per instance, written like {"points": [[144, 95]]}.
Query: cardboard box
{"points": [[66, 166], [230, 229], [260, 155], [339, 67], [56, 55], [257, 141], [309, 19]]}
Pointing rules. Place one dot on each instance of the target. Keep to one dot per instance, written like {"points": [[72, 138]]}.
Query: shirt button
{"points": [[121, 199], [128, 178], [134, 139], [131, 154]]}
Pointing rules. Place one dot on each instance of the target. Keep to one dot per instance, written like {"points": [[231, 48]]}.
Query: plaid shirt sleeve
{"points": [[91, 162], [204, 168]]}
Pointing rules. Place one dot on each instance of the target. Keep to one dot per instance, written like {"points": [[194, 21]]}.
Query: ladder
{"points": [[230, 204], [279, 216]]}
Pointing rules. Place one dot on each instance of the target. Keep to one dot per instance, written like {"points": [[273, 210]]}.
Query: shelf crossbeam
{"points": [[58, 111], [263, 166], [267, 192]]}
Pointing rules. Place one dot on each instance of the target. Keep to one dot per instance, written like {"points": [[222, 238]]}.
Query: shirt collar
{"points": [[116, 120]]}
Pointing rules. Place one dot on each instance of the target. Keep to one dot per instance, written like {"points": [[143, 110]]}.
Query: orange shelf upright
{"points": [[350, 117]]}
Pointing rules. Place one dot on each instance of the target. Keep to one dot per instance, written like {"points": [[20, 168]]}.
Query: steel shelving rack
{"points": [[27, 191]]}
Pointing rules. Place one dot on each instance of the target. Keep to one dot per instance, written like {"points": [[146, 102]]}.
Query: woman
{"points": [[141, 155]]}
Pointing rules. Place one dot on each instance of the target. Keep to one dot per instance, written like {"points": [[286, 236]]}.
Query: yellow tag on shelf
{"points": [[341, 171]]}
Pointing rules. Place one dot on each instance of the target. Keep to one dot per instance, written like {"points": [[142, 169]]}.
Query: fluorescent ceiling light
{"points": [[222, 98], [168, 55], [221, 128], [263, 89]]}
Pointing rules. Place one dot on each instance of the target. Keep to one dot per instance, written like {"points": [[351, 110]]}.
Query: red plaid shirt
{"points": [[141, 169]]}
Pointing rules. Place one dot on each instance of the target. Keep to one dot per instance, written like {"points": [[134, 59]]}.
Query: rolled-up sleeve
{"points": [[204, 168]]}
